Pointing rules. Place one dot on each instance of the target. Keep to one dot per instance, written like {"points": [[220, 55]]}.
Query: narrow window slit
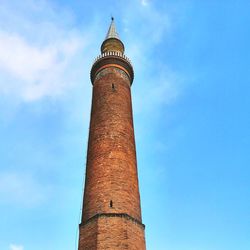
{"points": [[113, 86], [111, 203]]}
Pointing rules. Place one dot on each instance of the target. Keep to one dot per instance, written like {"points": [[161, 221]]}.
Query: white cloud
{"points": [[38, 59], [29, 62], [16, 247], [161, 84], [144, 2], [35, 71], [48, 64], [162, 89], [154, 25]]}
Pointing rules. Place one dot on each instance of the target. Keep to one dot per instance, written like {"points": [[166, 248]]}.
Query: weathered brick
{"points": [[115, 233], [111, 217]]}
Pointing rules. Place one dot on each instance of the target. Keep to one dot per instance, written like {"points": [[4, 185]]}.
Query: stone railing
{"points": [[113, 54]]}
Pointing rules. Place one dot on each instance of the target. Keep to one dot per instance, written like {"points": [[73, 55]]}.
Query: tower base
{"points": [[112, 231]]}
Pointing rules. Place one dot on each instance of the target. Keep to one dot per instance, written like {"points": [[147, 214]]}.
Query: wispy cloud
{"points": [[161, 84], [32, 68], [144, 2], [43, 65], [35, 71], [156, 25], [15, 247], [22, 189]]}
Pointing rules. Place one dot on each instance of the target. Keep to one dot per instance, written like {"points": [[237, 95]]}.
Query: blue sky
{"points": [[191, 112]]}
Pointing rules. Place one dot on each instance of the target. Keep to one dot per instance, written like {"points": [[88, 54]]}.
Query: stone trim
{"points": [[112, 58], [112, 215], [109, 69], [112, 53]]}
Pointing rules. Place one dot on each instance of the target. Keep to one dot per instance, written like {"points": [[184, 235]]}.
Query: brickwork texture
{"points": [[111, 216]]}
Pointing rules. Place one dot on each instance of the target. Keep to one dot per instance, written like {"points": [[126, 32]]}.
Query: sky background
{"points": [[191, 103]]}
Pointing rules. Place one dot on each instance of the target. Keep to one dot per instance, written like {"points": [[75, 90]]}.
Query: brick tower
{"points": [[111, 216]]}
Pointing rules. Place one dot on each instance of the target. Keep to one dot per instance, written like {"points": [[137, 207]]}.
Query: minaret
{"points": [[111, 216]]}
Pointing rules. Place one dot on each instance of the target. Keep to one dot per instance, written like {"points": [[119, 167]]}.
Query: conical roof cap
{"points": [[112, 41], [112, 33]]}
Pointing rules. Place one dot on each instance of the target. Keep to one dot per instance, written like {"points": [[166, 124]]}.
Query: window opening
{"points": [[111, 203]]}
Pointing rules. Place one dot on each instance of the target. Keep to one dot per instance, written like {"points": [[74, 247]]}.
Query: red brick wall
{"points": [[88, 236], [111, 173], [114, 233]]}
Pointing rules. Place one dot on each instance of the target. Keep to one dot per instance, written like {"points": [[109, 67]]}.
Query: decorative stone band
{"points": [[112, 53], [112, 59], [108, 215]]}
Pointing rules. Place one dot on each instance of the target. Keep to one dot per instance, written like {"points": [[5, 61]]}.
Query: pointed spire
{"points": [[112, 30], [112, 41]]}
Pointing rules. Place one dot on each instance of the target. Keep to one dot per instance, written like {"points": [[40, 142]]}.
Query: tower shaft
{"points": [[111, 217]]}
